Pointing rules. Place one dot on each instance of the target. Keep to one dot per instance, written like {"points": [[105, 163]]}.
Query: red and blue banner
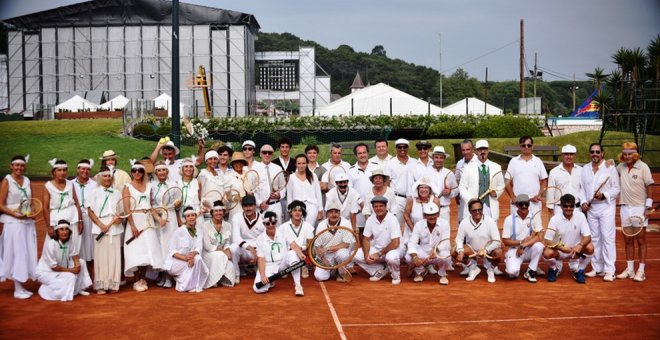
{"points": [[589, 108]]}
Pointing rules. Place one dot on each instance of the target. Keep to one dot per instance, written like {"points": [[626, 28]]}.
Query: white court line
{"points": [[499, 320], [333, 312]]}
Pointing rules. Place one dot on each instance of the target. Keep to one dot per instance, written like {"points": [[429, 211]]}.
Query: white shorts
{"points": [[632, 210]]}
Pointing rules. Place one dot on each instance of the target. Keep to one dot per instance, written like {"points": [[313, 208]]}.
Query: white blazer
{"points": [[469, 186]]}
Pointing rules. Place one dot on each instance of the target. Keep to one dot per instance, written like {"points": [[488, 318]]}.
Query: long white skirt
{"points": [[145, 250], [219, 265], [189, 278], [19, 252], [107, 263], [86, 240], [165, 233], [59, 286]]}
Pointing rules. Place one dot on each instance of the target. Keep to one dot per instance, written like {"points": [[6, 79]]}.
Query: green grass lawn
{"points": [[73, 140]]}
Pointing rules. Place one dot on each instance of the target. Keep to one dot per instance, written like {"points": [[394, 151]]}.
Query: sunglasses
{"points": [[267, 152], [597, 152], [137, 170], [423, 148], [402, 147], [525, 145], [477, 210], [269, 223], [568, 206], [248, 149], [523, 204]]}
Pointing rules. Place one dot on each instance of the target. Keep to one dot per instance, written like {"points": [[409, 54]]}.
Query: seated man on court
{"points": [[246, 227], [274, 255], [524, 245], [575, 242], [427, 233], [337, 249], [473, 234], [382, 234]]}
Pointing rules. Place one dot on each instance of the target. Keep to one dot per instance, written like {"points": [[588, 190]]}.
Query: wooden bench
{"points": [[539, 151]]}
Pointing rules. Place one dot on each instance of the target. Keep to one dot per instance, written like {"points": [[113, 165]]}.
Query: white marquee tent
{"points": [[164, 101], [375, 100], [472, 106], [76, 104], [115, 103]]}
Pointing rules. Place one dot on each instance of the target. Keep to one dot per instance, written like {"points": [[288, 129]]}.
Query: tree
{"points": [[379, 51], [460, 85]]}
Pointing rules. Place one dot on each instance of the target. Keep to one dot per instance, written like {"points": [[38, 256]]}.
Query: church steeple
{"points": [[357, 83]]}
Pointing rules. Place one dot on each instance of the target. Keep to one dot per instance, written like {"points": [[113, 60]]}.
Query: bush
{"points": [[450, 129], [143, 129], [164, 130], [507, 127]]}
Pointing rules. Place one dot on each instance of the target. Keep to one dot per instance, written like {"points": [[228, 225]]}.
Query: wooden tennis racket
{"points": [[334, 170], [172, 198], [632, 225], [488, 250], [280, 181], [450, 181], [597, 192], [251, 181], [550, 195], [333, 248], [444, 249], [30, 207], [210, 197], [495, 183], [231, 199]]}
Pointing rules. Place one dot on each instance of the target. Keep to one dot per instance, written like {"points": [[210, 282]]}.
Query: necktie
{"points": [[484, 183], [82, 195]]}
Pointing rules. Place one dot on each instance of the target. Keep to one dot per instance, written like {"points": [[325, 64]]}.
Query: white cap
{"points": [[430, 209], [401, 141], [482, 143], [332, 204], [568, 149], [170, 144], [249, 142], [440, 149], [341, 176]]}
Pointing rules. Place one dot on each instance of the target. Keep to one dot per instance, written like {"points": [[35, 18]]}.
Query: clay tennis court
{"points": [[359, 310]]}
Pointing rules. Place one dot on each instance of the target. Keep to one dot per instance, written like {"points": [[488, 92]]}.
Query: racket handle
{"points": [[486, 193], [98, 238], [131, 239], [259, 285]]}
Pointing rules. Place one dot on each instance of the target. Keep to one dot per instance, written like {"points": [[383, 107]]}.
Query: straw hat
{"points": [[108, 154], [148, 165], [238, 156]]}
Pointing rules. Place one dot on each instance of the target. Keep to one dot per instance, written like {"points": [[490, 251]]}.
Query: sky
{"points": [[568, 36]]}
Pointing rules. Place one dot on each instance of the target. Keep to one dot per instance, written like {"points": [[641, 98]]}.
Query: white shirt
{"points": [[272, 250], [299, 235], [527, 175], [304, 191], [423, 238], [359, 179], [522, 227], [242, 234], [323, 225], [266, 173], [214, 240], [419, 168], [349, 202], [401, 178], [104, 204], [591, 181], [438, 177], [83, 192], [476, 235], [382, 233], [568, 183], [571, 230], [181, 242], [379, 161], [389, 194], [173, 170]]}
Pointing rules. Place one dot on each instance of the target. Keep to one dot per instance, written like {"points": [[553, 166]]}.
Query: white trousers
{"points": [[274, 267], [333, 258], [392, 260], [239, 255], [440, 264], [531, 254], [603, 236]]}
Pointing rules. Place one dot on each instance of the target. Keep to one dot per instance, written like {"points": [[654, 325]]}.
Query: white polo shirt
{"points": [[382, 232]]}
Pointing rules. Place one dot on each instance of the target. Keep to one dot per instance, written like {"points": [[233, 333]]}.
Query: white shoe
{"points": [[592, 273], [640, 276], [379, 274], [473, 273], [465, 271], [21, 295], [299, 291], [609, 277], [491, 275], [144, 285], [431, 269], [167, 284], [626, 274], [83, 293], [304, 273], [418, 278], [237, 280], [443, 280], [137, 287], [497, 271], [539, 271], [396, 281]]}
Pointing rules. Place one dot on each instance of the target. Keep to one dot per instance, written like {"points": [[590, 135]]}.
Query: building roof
{"points": [[128, 13], [471, 105], [357, 82]]}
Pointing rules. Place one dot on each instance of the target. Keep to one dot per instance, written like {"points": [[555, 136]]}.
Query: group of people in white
{"points": [[399, 205]]}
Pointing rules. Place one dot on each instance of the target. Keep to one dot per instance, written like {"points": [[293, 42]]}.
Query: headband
{"points": [[161, 166], [86, 165], [21, 161], [53, 164], [135, 164], [210, 154]]}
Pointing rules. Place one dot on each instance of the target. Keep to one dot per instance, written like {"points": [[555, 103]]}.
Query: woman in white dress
{"points": [[190, 186], [61, 203], [159, 186], [234, 180], [304, 186], [144, 251], [217, 253], [61, 272], [380, 188], [423, 192], [18, 243], [184, 260], [107, 250]]}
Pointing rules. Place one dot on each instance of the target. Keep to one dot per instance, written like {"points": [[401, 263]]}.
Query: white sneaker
{"points": [[539, 271], [626, 274], [431, 269], [237, 280], [473, 273], [83, 293], [497, 271], [640, 276], [299, 291], [491, 275], [609, 277], [21, 295], [167, 284], [443, 280], [379, 274], [418, 278], [592, 273], [396, 281], [465, 271], [304, 273]]}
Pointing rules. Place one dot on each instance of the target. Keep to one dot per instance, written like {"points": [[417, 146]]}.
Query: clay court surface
{"points": [[359, 310]]}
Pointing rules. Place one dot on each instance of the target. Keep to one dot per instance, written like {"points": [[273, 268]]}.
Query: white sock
{"points": [[641, 266], [631, 265]]}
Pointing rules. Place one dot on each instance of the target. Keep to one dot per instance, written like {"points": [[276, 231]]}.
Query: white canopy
{"points": [[472, 106], [375, 100], [76, 104], [115, 103], [164, 101]]}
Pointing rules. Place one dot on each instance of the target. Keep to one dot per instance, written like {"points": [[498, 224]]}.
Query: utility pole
{"points": [[573, 91], [176, 120], [486, 93], [522, 59], [440, 46], [534, 75]]}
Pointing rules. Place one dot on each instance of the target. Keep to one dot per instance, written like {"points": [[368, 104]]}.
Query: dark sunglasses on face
{"points": [[568, 206], [523, 204], [477, 210], [269, 223], [525, 145], [267, 152], [423, 148], [402, 147], [248, 149], [597, 152], [137, 170]]}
